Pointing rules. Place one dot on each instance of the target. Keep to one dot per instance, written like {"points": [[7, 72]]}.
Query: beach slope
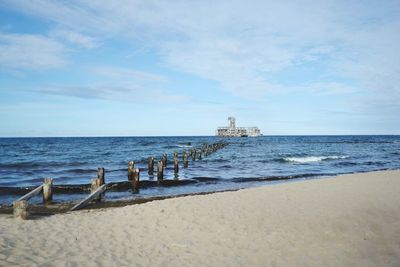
{"points": [[349, 220]]}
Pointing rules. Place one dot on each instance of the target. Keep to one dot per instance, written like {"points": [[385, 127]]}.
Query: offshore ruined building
{"points": [[233, 131]]}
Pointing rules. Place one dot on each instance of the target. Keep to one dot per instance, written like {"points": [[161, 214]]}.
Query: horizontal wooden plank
{"points": [[34, 192], [89, 198]]}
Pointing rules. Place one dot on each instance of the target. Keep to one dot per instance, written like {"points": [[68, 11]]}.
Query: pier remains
{"points": [[233, 131]]}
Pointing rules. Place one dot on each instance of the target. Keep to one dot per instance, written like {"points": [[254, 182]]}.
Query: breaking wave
{"points": [[184, 146], [312, 158]]}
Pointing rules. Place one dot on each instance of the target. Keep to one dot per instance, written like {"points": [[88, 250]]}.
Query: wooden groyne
{"points": [[21, 204], [98, 185]]}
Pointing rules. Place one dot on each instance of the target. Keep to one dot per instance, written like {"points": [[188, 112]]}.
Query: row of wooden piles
{"points": [[194, 154], [98, 185]]}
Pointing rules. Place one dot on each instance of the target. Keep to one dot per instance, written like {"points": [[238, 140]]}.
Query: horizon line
{"points": [[272, 135]]}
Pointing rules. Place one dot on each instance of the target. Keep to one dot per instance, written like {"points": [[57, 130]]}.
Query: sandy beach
{"points": [[349, 220]]}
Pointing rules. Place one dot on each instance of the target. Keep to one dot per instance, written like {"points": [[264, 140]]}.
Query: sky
{"points": [[139, 68]]}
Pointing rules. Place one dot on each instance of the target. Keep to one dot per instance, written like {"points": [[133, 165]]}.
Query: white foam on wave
{"points": [[312, 158], [184, 146]]}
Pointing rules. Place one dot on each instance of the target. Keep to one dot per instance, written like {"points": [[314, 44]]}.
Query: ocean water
{"points": [[245, 162]]}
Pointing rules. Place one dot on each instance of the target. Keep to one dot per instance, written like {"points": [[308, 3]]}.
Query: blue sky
{"points": [[101, 68]]}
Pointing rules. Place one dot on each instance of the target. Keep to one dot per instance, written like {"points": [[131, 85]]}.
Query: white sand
{"points": [[351, 220]]}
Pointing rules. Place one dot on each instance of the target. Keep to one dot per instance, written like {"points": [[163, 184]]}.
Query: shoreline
{"points": [[345, 220], [40, 210]]}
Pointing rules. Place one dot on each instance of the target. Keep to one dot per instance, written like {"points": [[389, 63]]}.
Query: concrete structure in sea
{"points": [[233, 131]]}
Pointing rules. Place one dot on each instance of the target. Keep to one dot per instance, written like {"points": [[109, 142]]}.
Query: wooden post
{"points": [[176, 165], [151, 166], [193, 154], [131, 166], [160, 170], [164, 160], [94, 186], [205, 150], [47, 190], [135, 179], [100, 175], [200, 154], [21, 209], [185, 160], [176, 154]]}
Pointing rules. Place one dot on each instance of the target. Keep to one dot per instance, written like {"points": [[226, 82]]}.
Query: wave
{"points": [[348, 142], [170, 146], [38, 164], [126, 185], [184, 146], [312, 158], [345, 164], [80, 171]]}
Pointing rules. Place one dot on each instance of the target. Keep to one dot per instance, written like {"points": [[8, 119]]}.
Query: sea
{"points": [[244, 162]]}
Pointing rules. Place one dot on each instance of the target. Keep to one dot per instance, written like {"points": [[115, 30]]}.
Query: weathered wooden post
{"points": [[176, 165], [164, 160], [100, 175], [185, 159], [95, 184], [151, 166], [101, 180], [160, 170], [135, 179], [194, 154], [131, 166], [47, 190], [176, 155], [200, 154], [21, 209]]}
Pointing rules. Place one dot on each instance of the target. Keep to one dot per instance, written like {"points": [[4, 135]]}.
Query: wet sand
{"points": [[349, 220]]}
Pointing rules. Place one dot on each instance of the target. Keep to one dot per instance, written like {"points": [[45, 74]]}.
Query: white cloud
{"points": [[126, 73], [243, 45], [75, 38], [118, 84], [28, 51], [115, 93]]}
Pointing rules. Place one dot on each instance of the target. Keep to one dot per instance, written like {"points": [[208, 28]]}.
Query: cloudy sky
{"points": [[96, 68]]}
